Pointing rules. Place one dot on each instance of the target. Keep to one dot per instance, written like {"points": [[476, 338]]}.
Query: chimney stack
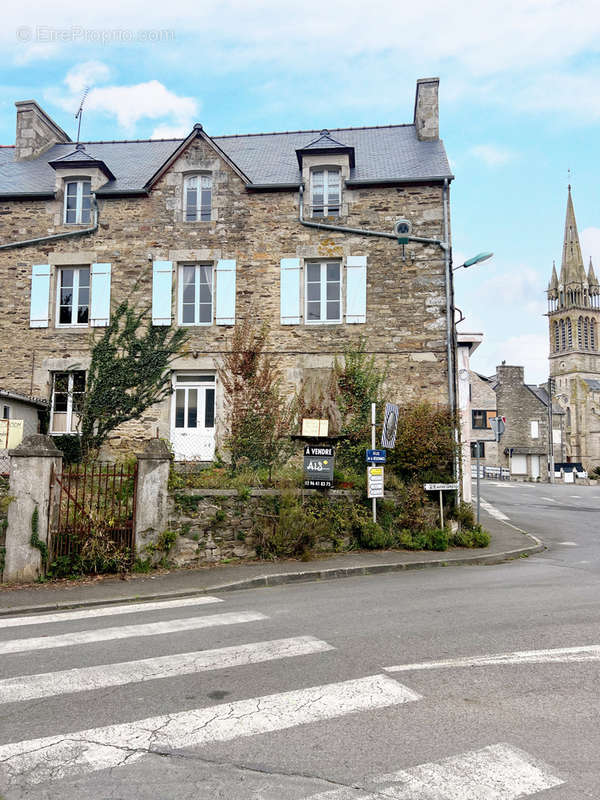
{"points": [[36, 132], [427, 117]]}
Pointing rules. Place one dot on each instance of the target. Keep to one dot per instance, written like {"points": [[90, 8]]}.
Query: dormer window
{"points": [[78, 202], [197, 192], [325, 192]]}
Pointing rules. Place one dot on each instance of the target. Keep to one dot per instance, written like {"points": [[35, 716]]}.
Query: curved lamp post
{"points": [[470, 262]]}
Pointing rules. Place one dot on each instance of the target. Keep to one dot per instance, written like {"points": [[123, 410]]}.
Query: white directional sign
{"points": [[375, 481]]}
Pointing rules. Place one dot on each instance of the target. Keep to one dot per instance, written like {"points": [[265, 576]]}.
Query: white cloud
{"points": [[86, 75], [492, 155], [170, 131], [590, 246], [152, 100], [38, 51], [530, 350]]}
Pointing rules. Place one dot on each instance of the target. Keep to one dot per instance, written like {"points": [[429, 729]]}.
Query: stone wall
{"points": [[405, 327]]}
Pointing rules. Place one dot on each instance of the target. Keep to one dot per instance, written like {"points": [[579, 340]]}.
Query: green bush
{"points": [[371, 536], [289, 531], [437, 540], [70, 446], [464, 515]]}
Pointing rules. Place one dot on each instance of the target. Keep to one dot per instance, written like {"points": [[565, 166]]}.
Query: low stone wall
{"points": [[221, 524]]}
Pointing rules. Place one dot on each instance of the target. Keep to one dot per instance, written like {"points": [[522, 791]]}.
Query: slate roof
{"points": [[542, 394], [389, 153]]}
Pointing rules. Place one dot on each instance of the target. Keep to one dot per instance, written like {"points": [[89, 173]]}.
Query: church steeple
{"points": [[572, 269]]}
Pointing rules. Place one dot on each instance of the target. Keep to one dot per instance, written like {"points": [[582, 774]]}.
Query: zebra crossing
{"points": [[75, 754]]}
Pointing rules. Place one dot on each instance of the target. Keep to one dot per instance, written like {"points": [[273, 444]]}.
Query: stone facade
{"points": [[405, 324], [483, 406], [574, 329]]}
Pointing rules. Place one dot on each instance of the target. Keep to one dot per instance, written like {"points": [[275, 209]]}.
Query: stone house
{"points": [[524, 447], [574, 354], [293, 229], [20, 416]]}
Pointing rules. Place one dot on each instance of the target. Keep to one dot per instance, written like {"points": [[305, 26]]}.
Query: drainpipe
{"points": [[57, 236]]}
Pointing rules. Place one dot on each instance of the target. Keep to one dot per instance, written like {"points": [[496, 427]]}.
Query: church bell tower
{"points": [[574, 327]]}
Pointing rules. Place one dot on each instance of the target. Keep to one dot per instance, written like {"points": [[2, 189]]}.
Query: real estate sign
{"points": [[319, 461]]}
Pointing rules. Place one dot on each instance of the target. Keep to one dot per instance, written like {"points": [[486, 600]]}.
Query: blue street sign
{"points": [[376, 456]]}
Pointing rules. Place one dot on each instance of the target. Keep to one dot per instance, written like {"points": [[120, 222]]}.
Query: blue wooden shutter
{"points": [[40, 296], [225, 306], [100, 299], [162, 290], [356, 289], [290, 291]]}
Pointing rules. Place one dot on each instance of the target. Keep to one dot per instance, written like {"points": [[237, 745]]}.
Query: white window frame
{"points": [[74, 305], [69, 421], [323, 293], [325, 206], [78, 202], [534, 428], [197, 268], [203, 213]]}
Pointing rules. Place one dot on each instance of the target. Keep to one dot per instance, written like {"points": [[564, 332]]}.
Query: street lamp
{"points": [[470, 262]]}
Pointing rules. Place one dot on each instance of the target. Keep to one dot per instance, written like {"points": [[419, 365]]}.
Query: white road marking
{"points": [[549, 499], [493, 512], [497, 772], [569, 544], [127, 631], [560, 655], [71, 754], [48, 684], [575, 495], [105, 611]]}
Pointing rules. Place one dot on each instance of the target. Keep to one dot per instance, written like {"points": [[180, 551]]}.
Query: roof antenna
{"points": [[79, 113]]}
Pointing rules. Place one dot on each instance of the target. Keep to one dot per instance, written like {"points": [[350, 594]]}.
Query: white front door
{"points": [[535, 467], [193, 417]]}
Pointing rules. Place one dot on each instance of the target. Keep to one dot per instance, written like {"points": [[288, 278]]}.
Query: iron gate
{"points": [[89, 498]]}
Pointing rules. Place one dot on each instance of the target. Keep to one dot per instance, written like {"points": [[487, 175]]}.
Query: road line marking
{"points": [[105, 611], [549, 499], [49, 684], [575, 495], [560, 655], [569, 544], [493, 512], [497, 772], [82, 752], [127, 631]]}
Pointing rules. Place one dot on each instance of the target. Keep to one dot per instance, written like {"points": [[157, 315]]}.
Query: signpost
{"points": [[374, 482], [390, 426], [319, 462], [441, 487], [376, 456]]}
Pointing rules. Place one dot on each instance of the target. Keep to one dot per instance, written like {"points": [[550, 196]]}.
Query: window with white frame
{"points": [[197, 191], [68, 389], [73, 296], [325, 192], [323, 292], [78, 202], [534, 427], [196, 293]]}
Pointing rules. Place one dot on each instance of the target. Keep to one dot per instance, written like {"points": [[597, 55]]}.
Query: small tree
{"points": [[258, 416], [357, 384], [128, 373], [425, 445]]}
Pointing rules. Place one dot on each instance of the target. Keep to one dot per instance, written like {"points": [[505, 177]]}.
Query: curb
{"points": [[282, 578]]}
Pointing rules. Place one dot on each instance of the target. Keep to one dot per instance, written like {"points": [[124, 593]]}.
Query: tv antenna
{"points": [[79, 113]]}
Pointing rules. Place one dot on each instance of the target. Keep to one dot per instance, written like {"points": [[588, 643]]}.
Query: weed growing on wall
{"points": [[128, 372]]}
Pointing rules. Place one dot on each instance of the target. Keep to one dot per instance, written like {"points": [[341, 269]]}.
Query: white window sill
{"points": [[196, 324], [324, 322], [75, 327]]}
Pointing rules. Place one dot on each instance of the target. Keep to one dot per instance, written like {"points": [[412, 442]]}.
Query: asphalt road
{"points": [[290, 692]]}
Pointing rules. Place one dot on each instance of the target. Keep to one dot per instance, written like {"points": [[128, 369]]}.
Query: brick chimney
{"points": [[36, 132], [427, 117]]}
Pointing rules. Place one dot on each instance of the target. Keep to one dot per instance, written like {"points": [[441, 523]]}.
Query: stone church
{"points": [[574, 321]]}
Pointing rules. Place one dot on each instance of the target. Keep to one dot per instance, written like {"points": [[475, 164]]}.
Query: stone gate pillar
{"points": [[151, 511], [31, 466]]}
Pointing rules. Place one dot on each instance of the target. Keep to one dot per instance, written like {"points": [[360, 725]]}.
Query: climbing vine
{"points": [[128, 372], [35, 540]]}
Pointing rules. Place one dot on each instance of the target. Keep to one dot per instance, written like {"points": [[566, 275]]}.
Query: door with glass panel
{"points": [[193, 417]]}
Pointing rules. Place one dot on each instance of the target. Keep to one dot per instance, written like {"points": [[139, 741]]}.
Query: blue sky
{"points": [[519, 98]]}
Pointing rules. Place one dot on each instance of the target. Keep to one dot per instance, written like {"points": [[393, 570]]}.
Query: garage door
{"points": [[518, 465]]}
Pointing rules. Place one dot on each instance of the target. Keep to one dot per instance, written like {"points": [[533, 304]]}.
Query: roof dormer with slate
{"points": [[383, 155]]}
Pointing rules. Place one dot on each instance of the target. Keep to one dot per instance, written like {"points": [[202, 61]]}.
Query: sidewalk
{"points": [[507, 543]]}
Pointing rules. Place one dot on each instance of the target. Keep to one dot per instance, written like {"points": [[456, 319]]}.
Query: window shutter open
{"points": [[40, 296], [356, 289], [162, 289], [225, 306], [290, 291], [100, 299]]}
